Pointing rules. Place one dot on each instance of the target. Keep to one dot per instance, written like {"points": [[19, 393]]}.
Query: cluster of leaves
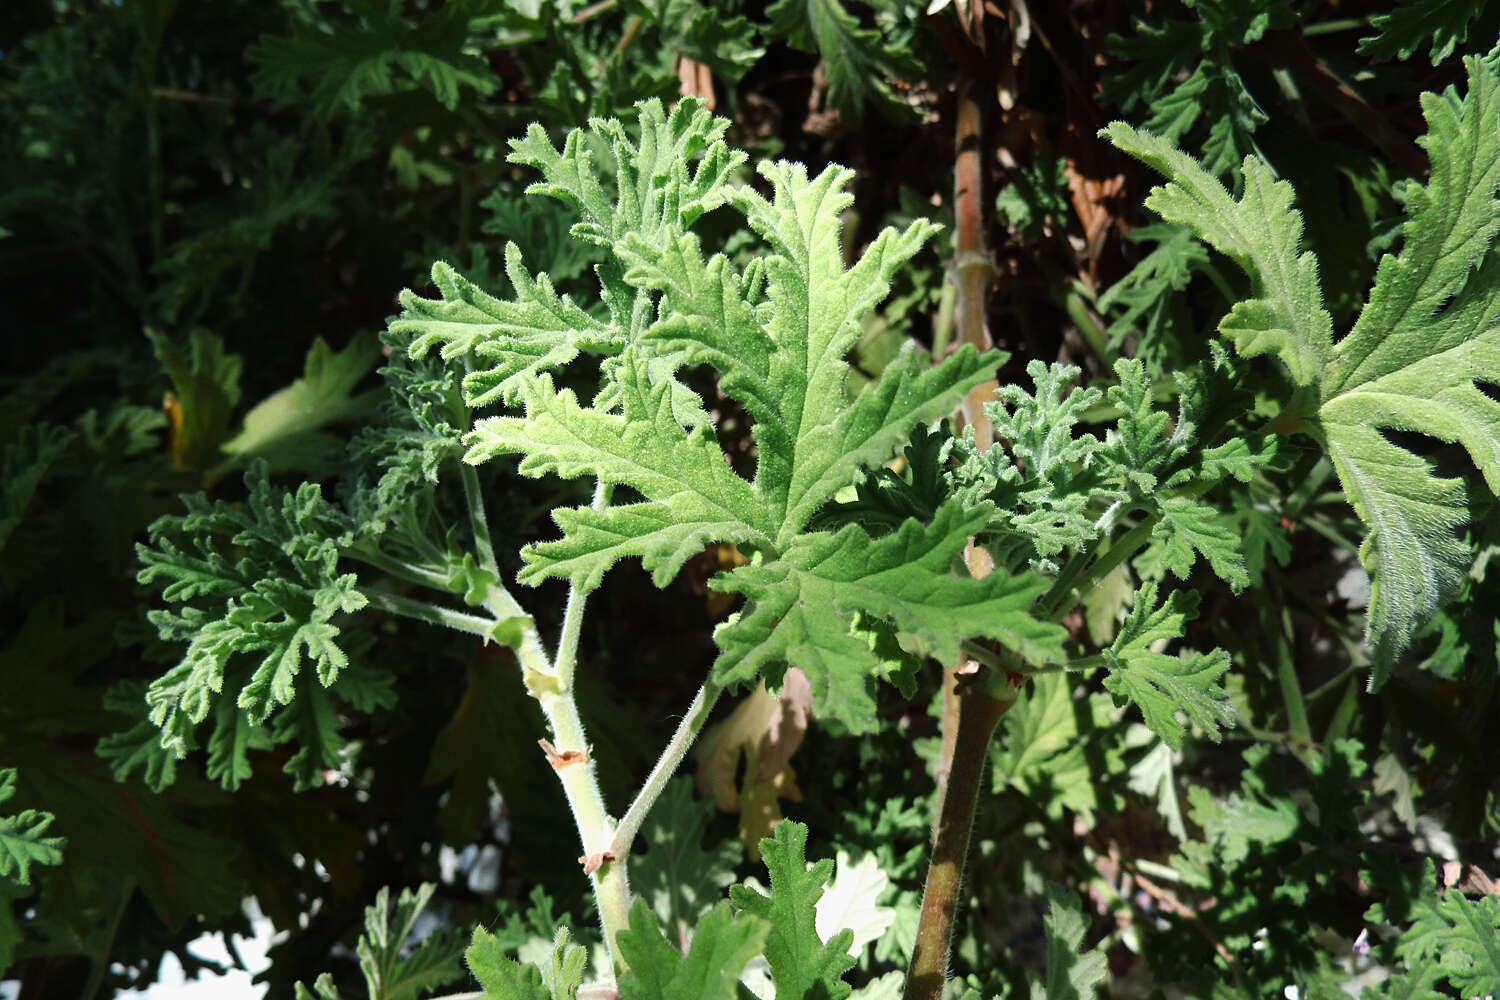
{"points": [[796, 930], [612, 330]]}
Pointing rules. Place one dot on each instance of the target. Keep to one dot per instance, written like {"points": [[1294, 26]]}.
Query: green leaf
{"points": [[284, 428], [1461, 936], [23, 837], [705, 33], [1188, 529], [24, 465], [205, 391], [391, 971], [722, 944], [1185, 71], [377, 53], [859, 61], [501, 977], [676, 875], [1047, 749], [538, 331], [1152, 776], [1163, 685], [1045, 509], [675, 172], [803, 966], [777, 334], [1070, 976], [278, 601], [1262, 233], [1149, 298], [1428, 334], [1441, 25], [797, 606]]}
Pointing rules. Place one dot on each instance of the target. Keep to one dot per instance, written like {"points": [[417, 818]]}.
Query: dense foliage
{"points": [[645, 598]]}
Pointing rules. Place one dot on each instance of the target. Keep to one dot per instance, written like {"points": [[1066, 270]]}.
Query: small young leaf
{"points": [[381, 948], [1160, 684], [1070, 976], [23, 837], [722, 944], [502, 977], [803, 966]]}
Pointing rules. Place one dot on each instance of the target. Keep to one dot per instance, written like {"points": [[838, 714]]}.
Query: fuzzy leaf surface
{"points": [[1454, 937], [278, 602], [723, 943], [803, 966], [1428, 334], [777, 334], [1161, 684], [1070, 975], [904, 577], [23, 839]]}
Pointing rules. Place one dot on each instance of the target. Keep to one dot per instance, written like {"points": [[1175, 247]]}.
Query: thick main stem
{"points": [[569, 755], [979, 713]]}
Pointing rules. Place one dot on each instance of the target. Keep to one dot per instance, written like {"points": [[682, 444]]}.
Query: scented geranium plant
{"points": [[851, 513]]}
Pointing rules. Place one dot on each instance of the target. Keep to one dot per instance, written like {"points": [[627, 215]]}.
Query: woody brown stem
{"points": [[970, 712], [979, 712]]}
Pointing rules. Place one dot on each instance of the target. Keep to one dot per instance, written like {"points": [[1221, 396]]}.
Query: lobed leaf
{"points": [[722, 944], [1427, 338], [280, 601], [23, 839], [803, 966], [777, 334], [800, 607], [1161, 684]]}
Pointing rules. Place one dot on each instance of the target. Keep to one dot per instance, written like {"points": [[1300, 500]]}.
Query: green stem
{"points": [[682, 740], [479, 523], [576, 771], [1058, 600], [1339, 24], [979, 713], [432, 614], [1078, 311], [424, 576], [567, 642], [1291, 691], [977, 652]]}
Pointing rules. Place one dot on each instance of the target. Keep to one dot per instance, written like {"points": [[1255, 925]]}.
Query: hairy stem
{"points": [[971, 276], [980, 711], [433, 614], [567, 642], [570, 757], [479, 523], [682, 740], [401, 569]]}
